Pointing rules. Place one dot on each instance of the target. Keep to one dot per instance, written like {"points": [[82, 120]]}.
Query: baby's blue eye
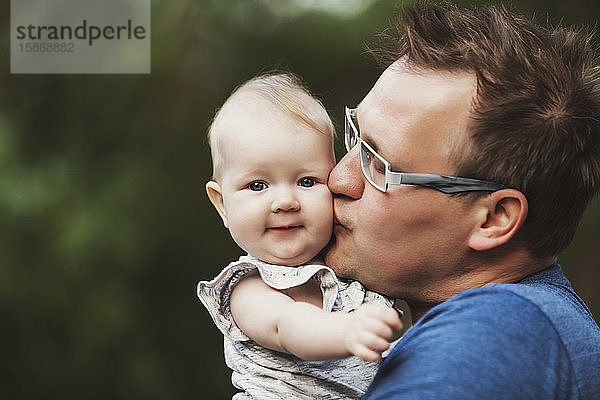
{"points": [[306, 182], [257, 186]]}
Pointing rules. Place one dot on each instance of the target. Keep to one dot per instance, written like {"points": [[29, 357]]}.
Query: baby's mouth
{"points": [[284, 228]]}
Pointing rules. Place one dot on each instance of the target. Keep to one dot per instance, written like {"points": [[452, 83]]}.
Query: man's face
{"points": [[407, 241]]}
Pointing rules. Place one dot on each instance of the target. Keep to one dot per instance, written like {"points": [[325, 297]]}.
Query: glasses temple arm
{"points": [[443, 183]]}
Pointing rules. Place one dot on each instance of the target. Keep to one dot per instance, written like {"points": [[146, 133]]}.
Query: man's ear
{"points": [[213, 189], [503, 213]]}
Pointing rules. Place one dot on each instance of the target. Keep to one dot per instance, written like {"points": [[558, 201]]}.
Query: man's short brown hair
{"points": [[536, 115]]}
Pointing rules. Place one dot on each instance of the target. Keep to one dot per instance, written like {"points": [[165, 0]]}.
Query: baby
{"points": [[292, 328]]}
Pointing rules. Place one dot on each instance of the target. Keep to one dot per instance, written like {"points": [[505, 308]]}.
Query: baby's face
{"points": [[276, 202]]}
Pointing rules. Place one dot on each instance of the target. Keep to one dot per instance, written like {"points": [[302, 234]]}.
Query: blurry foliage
{"points": [[105, 227]]}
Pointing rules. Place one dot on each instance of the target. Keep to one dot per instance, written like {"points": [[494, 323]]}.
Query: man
{"points": [[469, 165]]}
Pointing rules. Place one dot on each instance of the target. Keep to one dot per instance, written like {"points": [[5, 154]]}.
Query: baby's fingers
{"points": [[381, 329], [392, 318], [388, 315], [369, 343], [366, 353]]}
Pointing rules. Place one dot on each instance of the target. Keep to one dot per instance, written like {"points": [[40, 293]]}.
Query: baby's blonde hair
{"points": [[285, 92]]}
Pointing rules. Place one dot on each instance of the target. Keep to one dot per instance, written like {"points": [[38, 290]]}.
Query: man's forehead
{"points": [[413, 109], [403, 90]]}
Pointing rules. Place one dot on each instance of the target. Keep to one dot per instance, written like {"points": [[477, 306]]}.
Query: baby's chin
{"points": [[292, 261]]}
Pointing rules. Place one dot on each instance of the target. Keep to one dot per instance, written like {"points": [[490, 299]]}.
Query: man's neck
{"points": [[507, 269]]}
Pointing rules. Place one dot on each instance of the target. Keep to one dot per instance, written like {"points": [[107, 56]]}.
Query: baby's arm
{"points": [[274, 320]]}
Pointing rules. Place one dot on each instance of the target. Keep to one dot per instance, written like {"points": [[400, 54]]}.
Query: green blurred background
{"points": [[105, 226]]}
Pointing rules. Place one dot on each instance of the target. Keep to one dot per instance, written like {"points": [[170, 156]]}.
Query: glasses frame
{"points": [[448, 184]]}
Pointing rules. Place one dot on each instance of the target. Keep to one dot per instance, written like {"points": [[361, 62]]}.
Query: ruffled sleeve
{"points": [[215, 294]]}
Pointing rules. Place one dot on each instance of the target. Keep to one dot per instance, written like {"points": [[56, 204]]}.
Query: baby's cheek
{"points": [[246, 230], [325, 224]]}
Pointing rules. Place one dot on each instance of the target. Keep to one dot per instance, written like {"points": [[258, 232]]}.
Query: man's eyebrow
{"points": [[364, 135]]}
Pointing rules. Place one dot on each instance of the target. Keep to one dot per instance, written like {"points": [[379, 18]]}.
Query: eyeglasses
{"points": [[379, 174]]}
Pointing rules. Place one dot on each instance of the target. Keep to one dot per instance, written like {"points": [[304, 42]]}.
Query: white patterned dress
{"points": [[262, 373]]}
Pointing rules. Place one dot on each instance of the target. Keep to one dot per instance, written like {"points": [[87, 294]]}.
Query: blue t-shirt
{"points": [[535, 339]]}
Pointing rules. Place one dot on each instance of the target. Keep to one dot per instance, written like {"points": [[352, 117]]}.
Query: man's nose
{"points": [[346, 178], [285, 200]]}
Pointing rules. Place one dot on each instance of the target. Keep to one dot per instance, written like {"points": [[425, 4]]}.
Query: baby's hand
{"points": [[369, 330]]}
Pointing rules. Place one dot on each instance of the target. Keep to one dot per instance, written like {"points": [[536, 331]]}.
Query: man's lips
{"points": [[339, 228], [337, 223]]}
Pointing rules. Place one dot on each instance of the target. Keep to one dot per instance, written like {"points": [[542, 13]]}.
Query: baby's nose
{"points": [[284, 201]]}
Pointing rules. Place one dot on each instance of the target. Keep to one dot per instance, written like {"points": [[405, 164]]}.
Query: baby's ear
{"points": [[213, 189]]}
